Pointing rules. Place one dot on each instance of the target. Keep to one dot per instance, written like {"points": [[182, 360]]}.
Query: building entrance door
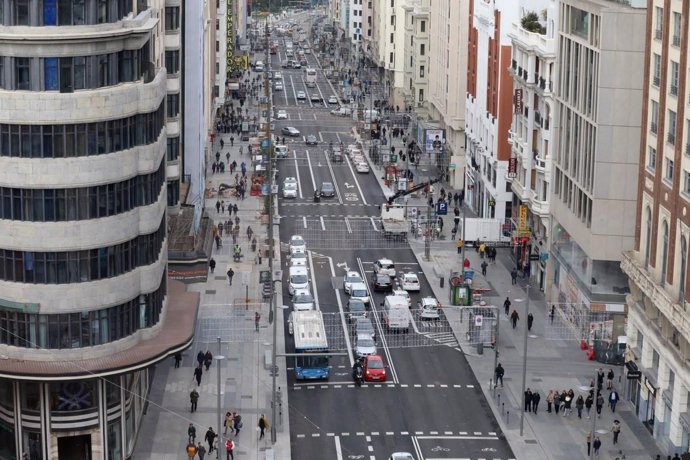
{"points": [[74, 447]]}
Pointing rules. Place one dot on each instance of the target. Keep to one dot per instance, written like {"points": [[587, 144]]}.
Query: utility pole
{"points": [[497, 313], [524, 364], [429, 230], [219, 358]]}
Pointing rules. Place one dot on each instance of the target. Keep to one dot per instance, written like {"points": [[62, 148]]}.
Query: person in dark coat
{"points": [[506, 306], [178, 358], [210, 437], [212, 263], [200, 357], [528, 400], [197, 374], [191, 432], [535, 401], [194, 398], [530, 320], [208, 359], [514, 317], [499, 374]]}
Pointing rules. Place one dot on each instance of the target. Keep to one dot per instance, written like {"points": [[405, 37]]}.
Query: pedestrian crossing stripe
{"points": [[347, 384], [490, 435]]}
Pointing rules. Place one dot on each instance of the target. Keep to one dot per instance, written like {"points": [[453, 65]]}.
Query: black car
{"points": [[356, 309], [382, 282], [327, 190], [311, 140]]}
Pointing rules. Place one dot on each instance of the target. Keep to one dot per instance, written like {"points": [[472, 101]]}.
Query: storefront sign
{"points": [[650, 387], [512, 168], [634, 375], [518, 101], [534, 257], [522, 218]]}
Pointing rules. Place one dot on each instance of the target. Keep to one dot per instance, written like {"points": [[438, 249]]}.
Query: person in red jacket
{"points": [[229, 447]]}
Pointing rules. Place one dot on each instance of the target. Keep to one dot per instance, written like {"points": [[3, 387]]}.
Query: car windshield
{"points": [[386, 266], [298, 279], [365, 342], [297, 242], [304, 298], [382, 278], [353, 278], [327, 186], [359, 293], [357, 306], [375, 364]]}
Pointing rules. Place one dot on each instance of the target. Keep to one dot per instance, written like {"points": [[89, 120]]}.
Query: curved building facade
{"points": [[85, 305]]}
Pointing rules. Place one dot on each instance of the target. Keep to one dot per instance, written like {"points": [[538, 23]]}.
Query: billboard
{"points": [[434, 139]]}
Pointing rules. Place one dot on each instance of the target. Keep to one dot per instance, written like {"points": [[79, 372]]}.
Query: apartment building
{"points": [[355, 27], [85, 304], [533, 67], [489, 107], [447, 78], [416, 53], [599, 86], [658, 331], [173, 114]]}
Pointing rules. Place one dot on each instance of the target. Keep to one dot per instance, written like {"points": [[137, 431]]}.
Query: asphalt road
{"points": [[431, 405]]}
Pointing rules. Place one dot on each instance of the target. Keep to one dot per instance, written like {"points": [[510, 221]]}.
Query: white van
{"points": [[259, 66], [396, 313], [299, 279]]}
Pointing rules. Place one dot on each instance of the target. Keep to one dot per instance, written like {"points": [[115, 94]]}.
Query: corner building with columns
{"points": [[85, 305]]}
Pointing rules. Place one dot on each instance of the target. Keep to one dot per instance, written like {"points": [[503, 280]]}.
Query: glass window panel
{"points": [[22, 74], [78, 12], [50, 12], [21, 13], [50, 69]]}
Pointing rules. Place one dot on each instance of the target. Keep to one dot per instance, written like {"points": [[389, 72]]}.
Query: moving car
{"points": [[333, 100], [298, 280], [302, 300], [285, 64], [342, 112], [297, 243], [362, 167], [385, 266], [290, 131], [365, 326], [298, 259], [382, 282], [327, 190], [429, 308], [277, 76], [296, 64], [315, 98], [364, 345], [303, 62], [374, 370], [356, 309], [401, 456], [401, 293], [301, 95], [410, 282], [278, 86], [358, 291], [282, 114], [290, 187], [350, 279], [281, 151], [311, 140]]}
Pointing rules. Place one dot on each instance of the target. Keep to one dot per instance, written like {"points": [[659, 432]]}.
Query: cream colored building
{"points": [[448, 37], [416, 57]]}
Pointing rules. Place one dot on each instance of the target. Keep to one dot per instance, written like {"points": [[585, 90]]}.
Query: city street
{"points": [[430, 405]]}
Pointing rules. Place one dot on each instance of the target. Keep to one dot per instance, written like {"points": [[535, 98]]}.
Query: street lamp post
{"points": [[524, 363], [220, 359]]}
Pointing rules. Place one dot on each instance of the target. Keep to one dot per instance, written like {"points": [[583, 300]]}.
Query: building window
{"points": [[651, 158], [648, 236], [671, 135], [172, 61], [22, 73], [675, 74], [422, 49], [682, 275], [664, 252], [669, 170], [172, 20], [393, 20], [173, 192], [102, 11], [173, 148], [421, 95], [173, 105], [2, 68], [654, 115], [421, 71], [71, 12], [676, 28], [686, 182], [391, 58], [422, 26], [392, 37], [659, 18], [656, 62], [21, 13]]}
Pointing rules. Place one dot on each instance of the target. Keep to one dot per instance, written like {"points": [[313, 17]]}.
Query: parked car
{"points": [[315, 98], [429, 308], [290, 131]]}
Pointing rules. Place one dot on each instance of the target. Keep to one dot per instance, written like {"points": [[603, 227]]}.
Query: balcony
{"points": [[540, 163], [671, 138], [546, 85], [542, 44], [687, 149], [539, 207], [656, 81], [673, 90], [643, 285]]}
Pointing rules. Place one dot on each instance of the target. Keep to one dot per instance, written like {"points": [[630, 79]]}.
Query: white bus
{"points": [[310, 337], [311, 77]]}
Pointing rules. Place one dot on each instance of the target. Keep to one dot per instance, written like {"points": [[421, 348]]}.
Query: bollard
{"points": [[441, 282], [491, 383], [503, 408], [499, 398], [508, 417]]}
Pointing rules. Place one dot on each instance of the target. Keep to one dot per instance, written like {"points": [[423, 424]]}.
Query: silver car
{"points": [[365, 345]]}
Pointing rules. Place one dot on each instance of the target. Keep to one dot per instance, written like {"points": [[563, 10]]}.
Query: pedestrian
{"points": [[616, 430], [208, 359], [588, 404], [222, 207], [230, 274], [227, 157], [589, 443], [212, 264], [676, 457], [197, 374], [528, 400], [597, 445], [257, 318], [506, 305], [552, 313], [600, 379], [579, 405], [210, 437], [191, 432], [549, 401], [229, 447], [250, 232], [600, 404], [232, 141], [514, 317], [201, 451], [263, 425], [200, 357], [567, 407], [613, 400], [609, 379], [530, 320], [513, 276], [235, 209], [218, 206], [459, 245], [484, 265], [178, 358], [193, 398], [482, 250], [228, 423], [190, 449], [222, 143], [556, 401], [499, 375], [237, 420], [536, 397]]}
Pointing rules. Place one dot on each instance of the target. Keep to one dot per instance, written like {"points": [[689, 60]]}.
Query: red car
{"points": [[374, 370]]}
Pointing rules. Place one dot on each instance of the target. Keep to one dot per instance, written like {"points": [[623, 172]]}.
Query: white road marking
{"points": [[360, 433], [342, 316], [299, 183], [373, 224], [323, 224], [347, 224], [311, 170], [460, 437], [368, 438], [335, 183], [315, 435], [390, 433], [404, 433], [354, 175], [304, 219], [313, 284], [417, 449], [338, 450], [320, 135]]}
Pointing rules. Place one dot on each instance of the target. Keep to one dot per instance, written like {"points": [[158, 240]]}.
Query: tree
{"points": [[530, 22]]}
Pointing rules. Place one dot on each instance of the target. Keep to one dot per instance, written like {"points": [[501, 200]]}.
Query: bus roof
{"points": [[310, 70], [310, 333]]}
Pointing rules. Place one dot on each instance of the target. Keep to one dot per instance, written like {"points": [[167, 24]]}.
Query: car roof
{"points": [[429, 301], [363, 337], [374, 358], [290, 179], [352, 273], [327, 184], [300, 292], [293, 237], [385, 261], [382, 275], [298, 271], [359, 286], [410, 275]]}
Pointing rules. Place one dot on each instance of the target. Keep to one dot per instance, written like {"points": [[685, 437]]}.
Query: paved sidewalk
{"points": [[552, 364], [224, 312]]}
